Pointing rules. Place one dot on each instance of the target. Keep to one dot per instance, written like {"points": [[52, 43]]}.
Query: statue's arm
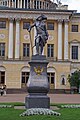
{"points": [[46, 30], [30, 27]]}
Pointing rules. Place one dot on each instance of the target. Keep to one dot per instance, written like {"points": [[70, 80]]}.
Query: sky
{"points": [[72, 4]]}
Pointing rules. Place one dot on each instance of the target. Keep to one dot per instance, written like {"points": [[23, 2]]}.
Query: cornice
{"points": [[33, 15]]}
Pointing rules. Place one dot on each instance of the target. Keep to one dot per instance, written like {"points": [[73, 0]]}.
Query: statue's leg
{"points": [[41, 49], [37, 45]]}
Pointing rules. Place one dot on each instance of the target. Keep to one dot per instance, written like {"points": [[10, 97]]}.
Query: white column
{"points": [[27, 4], [18, 3], [10, 47], [65, 39], [12, 4], [17, 39], [15, 3], [36, 4], [33, 4], [39, 4], [9, 3], [24, 3], [60, 39]]}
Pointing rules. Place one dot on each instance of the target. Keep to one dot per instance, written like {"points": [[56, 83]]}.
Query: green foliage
{"points": [[74, 79]]}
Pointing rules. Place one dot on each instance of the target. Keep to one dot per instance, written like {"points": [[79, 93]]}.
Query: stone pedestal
{"points": [[38, 85]]}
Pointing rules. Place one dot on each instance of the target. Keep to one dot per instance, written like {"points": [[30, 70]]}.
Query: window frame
{"points": [[25, 75], [49, 27], [74, 43], [2, 49], [51, 75], [73, 29], [26, 48], [50, 50], [2, 75], [3, 25], [74, 52], [25, 26]]}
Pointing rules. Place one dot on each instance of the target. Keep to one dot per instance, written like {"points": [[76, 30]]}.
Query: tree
{"points": [[74, 79]]}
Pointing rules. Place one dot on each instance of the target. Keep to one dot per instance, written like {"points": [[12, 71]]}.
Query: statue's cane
{"points": [[31, 43]]}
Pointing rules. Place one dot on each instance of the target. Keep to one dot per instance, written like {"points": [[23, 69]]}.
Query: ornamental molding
{"points": [[26, 37], [2, 36], [50, 38], [74, 41], [66, 20], [33, 15], [75, 20], [60, 20]]}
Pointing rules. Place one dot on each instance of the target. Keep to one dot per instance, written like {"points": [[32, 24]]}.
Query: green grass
{"points": [[13, 103], [13, 114]]}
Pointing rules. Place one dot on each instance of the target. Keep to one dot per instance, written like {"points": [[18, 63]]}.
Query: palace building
{"points": [[62, 48]]}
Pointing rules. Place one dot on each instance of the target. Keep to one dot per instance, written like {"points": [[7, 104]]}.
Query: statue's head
{"points": [[41, 17]]}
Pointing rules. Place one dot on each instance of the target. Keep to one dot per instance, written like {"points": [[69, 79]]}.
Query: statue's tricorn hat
{"points": [[41, 17]]}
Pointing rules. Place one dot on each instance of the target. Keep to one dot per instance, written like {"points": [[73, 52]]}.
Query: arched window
{"points": [[63, 80], [2, 75], [24, 76]]}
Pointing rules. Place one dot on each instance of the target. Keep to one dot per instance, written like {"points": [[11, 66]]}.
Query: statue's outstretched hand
{"points": [[29, 29]]}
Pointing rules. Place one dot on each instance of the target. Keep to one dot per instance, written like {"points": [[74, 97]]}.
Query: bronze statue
{"points": [[41, 33]]}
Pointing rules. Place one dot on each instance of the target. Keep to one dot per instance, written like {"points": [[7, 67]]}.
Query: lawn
{"points": [[13, 114]]}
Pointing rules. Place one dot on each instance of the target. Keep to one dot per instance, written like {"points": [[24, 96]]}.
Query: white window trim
{"points": [[75, 44]]}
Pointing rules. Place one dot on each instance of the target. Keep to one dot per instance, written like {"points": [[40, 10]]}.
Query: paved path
{"points": [[54, 98]]}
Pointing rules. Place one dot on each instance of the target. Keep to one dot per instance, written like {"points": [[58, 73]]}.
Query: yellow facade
{"points": [[13, 65]]}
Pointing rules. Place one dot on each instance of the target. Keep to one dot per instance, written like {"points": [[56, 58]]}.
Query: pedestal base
{"points": [[38, 85], [37, 102]]}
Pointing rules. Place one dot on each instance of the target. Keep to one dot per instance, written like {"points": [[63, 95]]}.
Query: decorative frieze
{"points": [[66, 21], [50, 37], [26, 37], [2, 36], [60, 21]]}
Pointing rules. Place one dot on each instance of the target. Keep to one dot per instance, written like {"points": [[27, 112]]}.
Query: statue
{"points": [[41, 33], [38, 85]]}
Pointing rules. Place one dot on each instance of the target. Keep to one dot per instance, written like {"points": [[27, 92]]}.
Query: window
{"points": [[25, 76], [50, 50], [74, 28], [2, 24], [63, 81], [26, 25], [26, 50], [74, 52], [2, 49], [51, 77], [2, 77], [50, 26]]}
